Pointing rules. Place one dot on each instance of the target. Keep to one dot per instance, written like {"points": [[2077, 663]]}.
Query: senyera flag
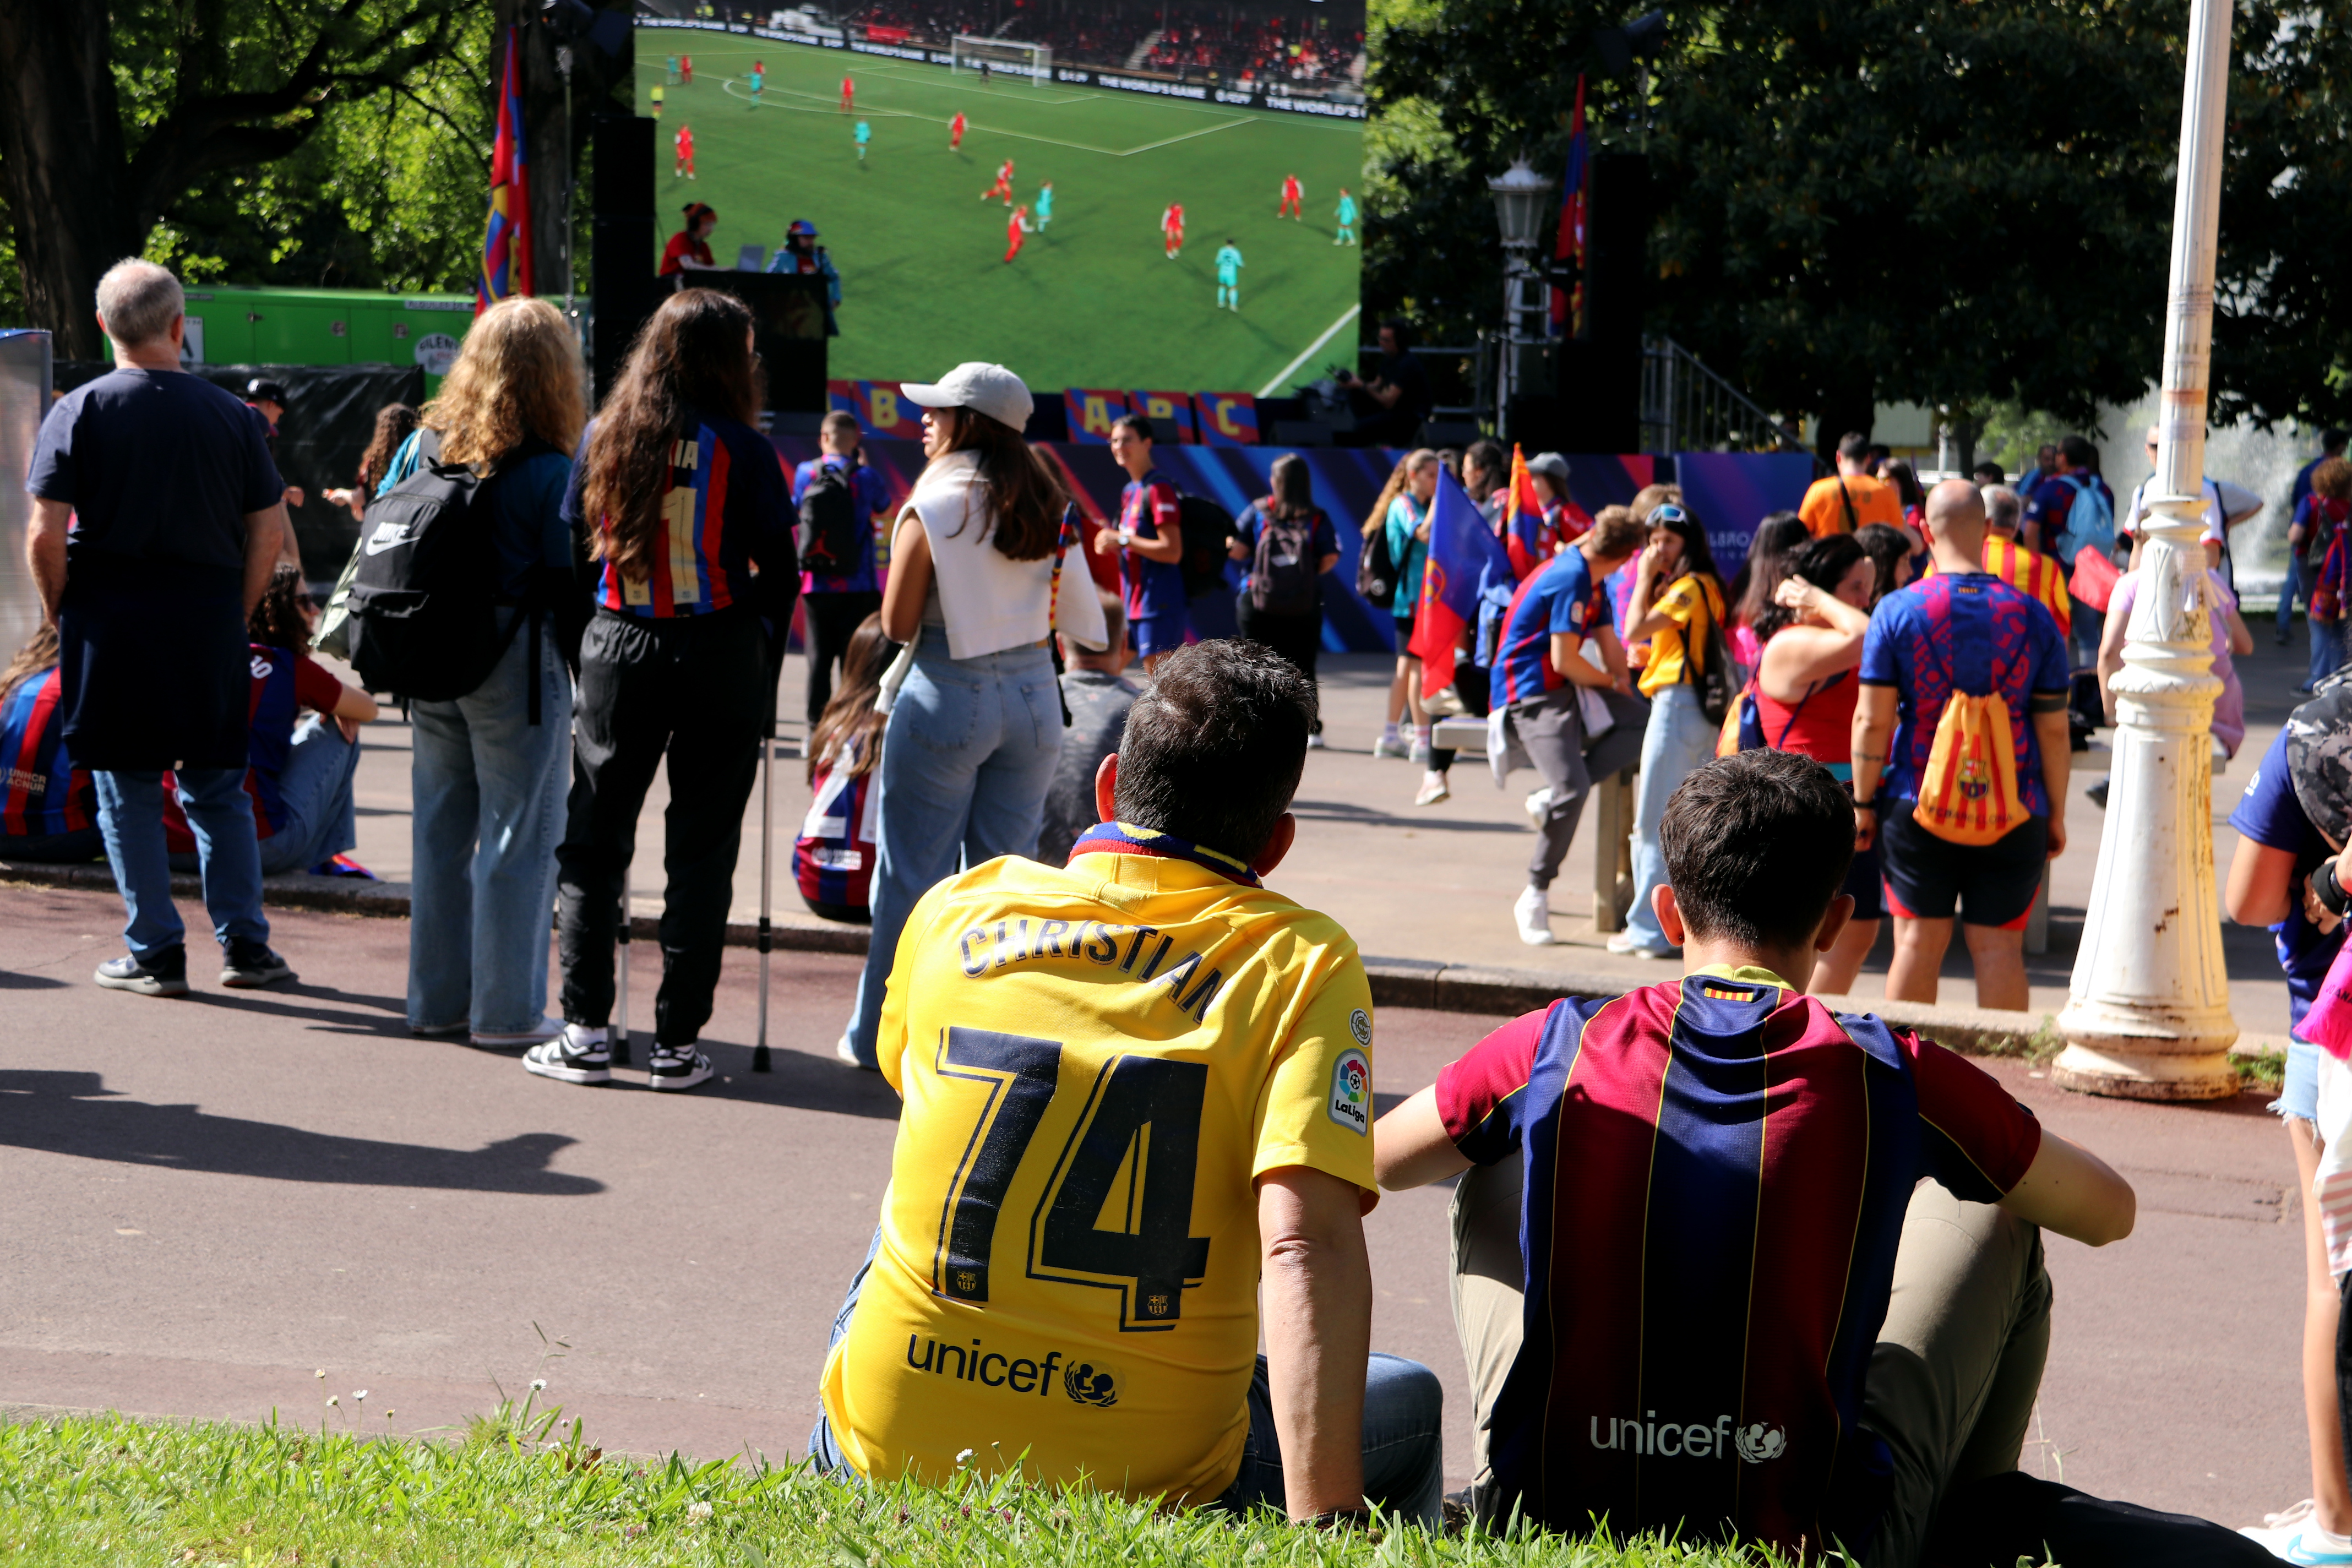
{"points": [[506, 244], [1461, 548]]}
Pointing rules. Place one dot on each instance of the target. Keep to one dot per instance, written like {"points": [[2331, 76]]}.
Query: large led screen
{"points": [[887, 127]]}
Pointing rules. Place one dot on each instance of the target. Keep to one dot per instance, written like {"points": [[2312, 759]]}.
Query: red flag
{"points": [[506, 241]]}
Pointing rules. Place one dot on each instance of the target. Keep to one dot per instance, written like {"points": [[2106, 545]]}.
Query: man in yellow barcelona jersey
{"points": [[1138, 1088]]}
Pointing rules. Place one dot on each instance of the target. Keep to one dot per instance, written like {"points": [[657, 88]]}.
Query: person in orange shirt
{"points": [[2031, 572], [1851, 497]]}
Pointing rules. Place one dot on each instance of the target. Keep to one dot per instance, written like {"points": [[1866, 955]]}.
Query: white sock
{"points": [[1390, 732], [1421, 733], [581, 1037]]}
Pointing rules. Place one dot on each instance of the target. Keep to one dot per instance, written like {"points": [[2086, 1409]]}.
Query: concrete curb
{"points": [[1396, 982]]}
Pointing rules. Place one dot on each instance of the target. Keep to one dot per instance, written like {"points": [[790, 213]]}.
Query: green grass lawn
{"points": [[107, 1491], [1091, 301]]}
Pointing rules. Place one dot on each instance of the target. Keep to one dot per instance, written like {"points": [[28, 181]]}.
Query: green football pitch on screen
{"points": [[1091, 299]]}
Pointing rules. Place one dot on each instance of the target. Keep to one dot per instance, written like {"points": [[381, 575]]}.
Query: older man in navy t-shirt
{"points": [[157, 516]]}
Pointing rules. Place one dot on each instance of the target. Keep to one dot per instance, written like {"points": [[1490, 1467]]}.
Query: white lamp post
{"points": [[1520, 207], [2149, 1017]]}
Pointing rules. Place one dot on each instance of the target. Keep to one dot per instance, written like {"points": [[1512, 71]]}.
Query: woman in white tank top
{"points": [[975, 721]]}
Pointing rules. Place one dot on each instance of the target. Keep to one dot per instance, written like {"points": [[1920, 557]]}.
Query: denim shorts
{"points": [[2299, 1095]]}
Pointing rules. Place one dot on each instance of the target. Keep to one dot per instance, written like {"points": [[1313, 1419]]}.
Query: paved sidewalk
{"points": [[1435, 884], [216, 1199]]}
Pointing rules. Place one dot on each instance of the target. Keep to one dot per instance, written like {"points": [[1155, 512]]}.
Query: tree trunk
{"points": [[62, 156]]}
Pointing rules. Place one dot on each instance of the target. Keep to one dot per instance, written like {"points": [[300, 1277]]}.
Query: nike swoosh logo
{"points": [[383, 539]]}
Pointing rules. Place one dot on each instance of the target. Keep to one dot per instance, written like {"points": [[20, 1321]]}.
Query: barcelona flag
{"points": [[506, 244], [1461, 551]]}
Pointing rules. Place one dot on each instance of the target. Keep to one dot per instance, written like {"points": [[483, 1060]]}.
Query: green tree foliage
{"points": [[1873, 200]]}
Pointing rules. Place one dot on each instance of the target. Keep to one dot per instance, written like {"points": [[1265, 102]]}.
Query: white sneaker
{"points": [[1626, 945], [1533, 913], [1433, 788], [847, 1054], [1389, 745], [677, 1067], [575, 1056], [2295, 1536], [538, 1034], [1419, 752], [1539, 804], [1314, 740]]}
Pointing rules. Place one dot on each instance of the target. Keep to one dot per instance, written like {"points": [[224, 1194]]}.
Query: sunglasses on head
{"points": [[1666, 511]]}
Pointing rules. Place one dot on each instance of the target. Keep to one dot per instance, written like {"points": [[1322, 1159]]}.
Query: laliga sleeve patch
{"points": [[1351, 1091]]}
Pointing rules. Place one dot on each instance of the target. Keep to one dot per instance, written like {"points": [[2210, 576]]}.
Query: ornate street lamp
{"points": [[1521, 204], [2149, 1014]]}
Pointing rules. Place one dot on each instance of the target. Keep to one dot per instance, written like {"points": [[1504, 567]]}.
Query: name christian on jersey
{"points": [[992, 946]]}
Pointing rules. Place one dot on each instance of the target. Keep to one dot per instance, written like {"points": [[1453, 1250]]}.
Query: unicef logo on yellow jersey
{"points": [[1351, 1091]]}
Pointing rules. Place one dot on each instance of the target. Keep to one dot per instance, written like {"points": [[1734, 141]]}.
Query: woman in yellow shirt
{"points": [[1678, 599]]}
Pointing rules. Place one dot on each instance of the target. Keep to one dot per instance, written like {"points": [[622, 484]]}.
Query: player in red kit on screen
{"points": [[955, 132], [686, 70], [685, 160], [1294, 199], [848, 94], [1171, 229], [1015, 231], [1003, 186]]}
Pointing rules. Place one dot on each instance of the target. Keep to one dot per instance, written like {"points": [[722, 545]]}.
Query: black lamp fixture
{"points": [[1619, 47]]}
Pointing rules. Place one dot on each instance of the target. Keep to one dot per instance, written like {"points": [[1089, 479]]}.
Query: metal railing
{"points": [[1686, 407]]}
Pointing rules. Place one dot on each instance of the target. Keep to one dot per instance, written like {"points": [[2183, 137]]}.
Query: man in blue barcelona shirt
{"points": [[839, 601]]}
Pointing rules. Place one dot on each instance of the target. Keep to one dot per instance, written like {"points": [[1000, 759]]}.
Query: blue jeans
{"points": [[316, 785], [2327, 649], [966, 760], [220, 814], [1679, 739], [1404, 1427], [2286, 594], [488, 803]]}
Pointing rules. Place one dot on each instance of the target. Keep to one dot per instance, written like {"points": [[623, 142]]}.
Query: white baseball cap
{"points": [[989, 389]]}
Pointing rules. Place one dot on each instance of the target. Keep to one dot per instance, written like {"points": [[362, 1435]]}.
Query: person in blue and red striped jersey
{"points": [[1540, 668], [1151, 544], [1783, 1281], [686, 515], [300, 781], [833, 859], [836, 602], [48, 807], [1959, 630]]}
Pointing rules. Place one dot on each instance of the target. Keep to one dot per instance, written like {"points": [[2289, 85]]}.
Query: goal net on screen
{"points": [[1035, 61]]}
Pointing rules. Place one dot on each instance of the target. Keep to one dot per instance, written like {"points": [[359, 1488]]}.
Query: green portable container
{"points": [[328, 326]]}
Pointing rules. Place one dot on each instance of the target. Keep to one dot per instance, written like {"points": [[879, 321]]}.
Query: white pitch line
{"points": [[728, 83], [1271, 387]]}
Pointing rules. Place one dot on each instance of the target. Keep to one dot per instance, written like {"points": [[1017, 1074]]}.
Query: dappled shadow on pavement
{"points": [[75, 1113]]}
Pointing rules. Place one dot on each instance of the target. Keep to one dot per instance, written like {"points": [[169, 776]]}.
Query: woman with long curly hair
{"points": [[486, 769], [684, 510], [975, 727]]}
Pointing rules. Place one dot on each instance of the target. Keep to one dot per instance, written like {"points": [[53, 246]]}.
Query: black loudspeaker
{"points": [[1599, 372], [621, 289], [788, 330]]}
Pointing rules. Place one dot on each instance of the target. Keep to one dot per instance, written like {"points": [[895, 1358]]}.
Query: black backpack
{"points": [[425, 601], [828, 536], [1206, 526], [1282, 569], [1376, 568]]}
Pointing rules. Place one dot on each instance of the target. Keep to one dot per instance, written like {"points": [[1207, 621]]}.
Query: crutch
{"points": [[620, 1041], [767, 866]]}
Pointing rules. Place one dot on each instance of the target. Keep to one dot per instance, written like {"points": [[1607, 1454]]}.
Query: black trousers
{"points": [[698, 691], [1298, 638], [828, 624]]}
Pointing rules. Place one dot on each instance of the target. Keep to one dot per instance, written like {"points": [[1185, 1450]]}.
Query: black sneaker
{"points": [[165, 974], [575, 1056], [2098, 794], [249, 965], [677, 1067]]}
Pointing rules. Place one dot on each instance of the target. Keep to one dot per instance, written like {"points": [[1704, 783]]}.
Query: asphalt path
{"points": [[213, 1202]]}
